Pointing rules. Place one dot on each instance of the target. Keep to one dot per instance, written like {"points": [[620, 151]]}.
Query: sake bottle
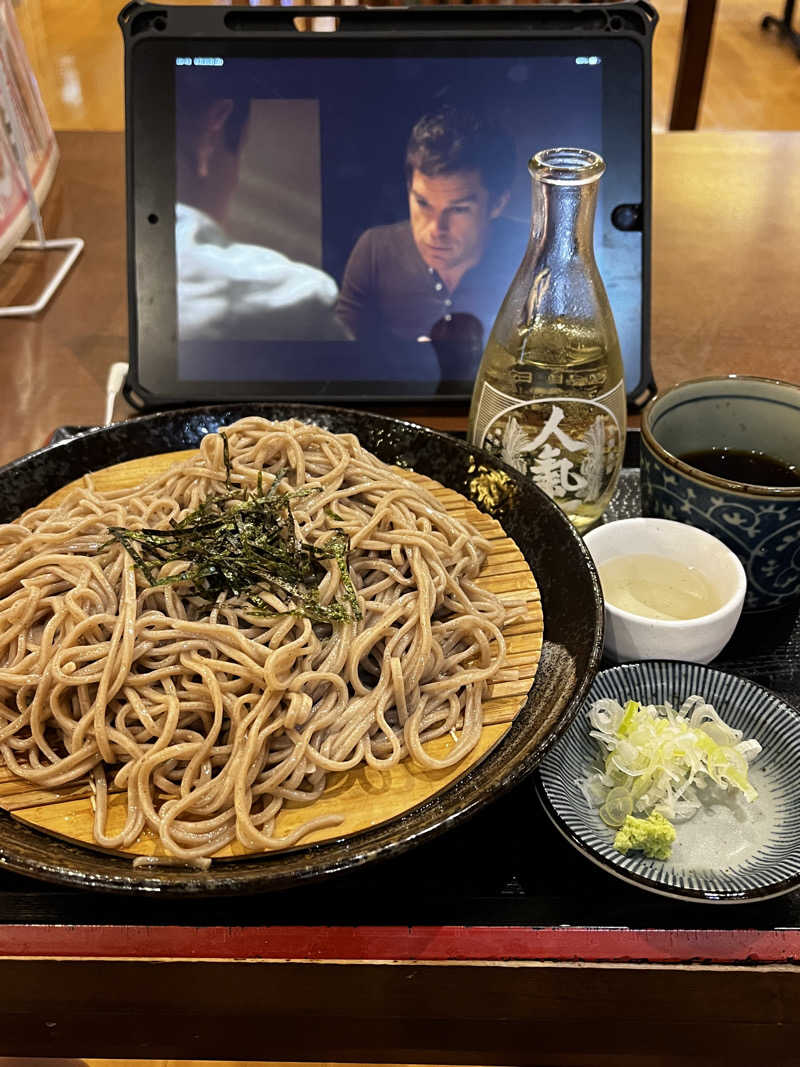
{"points": [[549, 397]]}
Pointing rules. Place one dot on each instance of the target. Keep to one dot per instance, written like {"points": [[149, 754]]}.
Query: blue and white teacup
{"points": [[760, 523]]}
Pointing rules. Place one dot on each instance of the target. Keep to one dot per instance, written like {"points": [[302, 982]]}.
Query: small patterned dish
{"points": [[725, 854]]}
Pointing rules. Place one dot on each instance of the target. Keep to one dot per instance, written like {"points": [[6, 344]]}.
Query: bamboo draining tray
{"points": [[365, 797]]}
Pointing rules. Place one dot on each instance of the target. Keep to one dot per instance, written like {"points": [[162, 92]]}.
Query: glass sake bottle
{"points": [[549, 397]]}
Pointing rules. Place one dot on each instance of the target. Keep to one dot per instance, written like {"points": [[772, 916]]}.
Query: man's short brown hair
{"points": [[451, 140]]}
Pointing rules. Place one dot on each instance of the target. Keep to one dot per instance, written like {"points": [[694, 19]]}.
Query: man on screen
{"points": [[228, 289], [451, 263]]}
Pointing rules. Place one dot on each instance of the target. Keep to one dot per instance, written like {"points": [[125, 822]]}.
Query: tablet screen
{"points": [[349, 224]]}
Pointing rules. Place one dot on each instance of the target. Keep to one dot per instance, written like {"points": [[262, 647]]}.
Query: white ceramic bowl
{"points": [[635, 637]]}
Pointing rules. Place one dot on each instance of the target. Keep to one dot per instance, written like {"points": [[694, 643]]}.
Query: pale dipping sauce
{"points": [[657, 587]]}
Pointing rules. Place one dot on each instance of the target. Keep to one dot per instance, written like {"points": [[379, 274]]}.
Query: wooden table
{"points": [[257, 978], [726, 277]]}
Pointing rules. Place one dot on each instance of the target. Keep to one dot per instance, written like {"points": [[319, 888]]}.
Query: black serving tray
{"points": [[508, 866]]}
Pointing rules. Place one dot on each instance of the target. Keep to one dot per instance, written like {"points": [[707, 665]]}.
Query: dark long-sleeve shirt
{"points": [[388, 292]]}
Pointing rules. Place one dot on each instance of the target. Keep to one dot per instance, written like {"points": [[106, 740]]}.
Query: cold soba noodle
{"points": [[319, 617]]}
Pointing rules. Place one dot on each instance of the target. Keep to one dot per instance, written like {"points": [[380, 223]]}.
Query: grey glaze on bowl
{"points": [[759, 523], [573, 640]]}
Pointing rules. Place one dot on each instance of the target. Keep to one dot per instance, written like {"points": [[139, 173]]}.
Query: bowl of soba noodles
{"points": [[245, 647]]}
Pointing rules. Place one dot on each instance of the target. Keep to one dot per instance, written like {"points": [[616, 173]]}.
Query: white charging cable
{"points": [[114, 382]]}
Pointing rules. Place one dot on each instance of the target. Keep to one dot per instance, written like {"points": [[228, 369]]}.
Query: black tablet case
{"points": [[635, 21]]}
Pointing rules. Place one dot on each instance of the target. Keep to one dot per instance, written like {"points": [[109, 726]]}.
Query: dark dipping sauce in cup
{"points": [[752, 468]]}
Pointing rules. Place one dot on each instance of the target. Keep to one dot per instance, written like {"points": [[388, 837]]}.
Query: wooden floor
{"points": [[753, 80], [8, 1061]]}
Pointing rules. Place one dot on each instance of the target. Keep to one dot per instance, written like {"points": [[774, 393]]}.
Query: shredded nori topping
{"points": [[240, 540]]}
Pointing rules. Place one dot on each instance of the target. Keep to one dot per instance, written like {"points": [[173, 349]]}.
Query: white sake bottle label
{"points": [[569, 446]]}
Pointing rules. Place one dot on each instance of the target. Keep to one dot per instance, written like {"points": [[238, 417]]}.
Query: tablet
{"points": [[338, 215]]}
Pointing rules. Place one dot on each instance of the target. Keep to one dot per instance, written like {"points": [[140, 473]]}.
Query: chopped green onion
{"points": [[239, 542], [654, 758]]}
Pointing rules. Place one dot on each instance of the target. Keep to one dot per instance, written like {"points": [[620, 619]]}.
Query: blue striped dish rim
{"points": [[769, 873]]}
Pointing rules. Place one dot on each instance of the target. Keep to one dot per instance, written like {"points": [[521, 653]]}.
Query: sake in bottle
{"points": [[549, 398]]}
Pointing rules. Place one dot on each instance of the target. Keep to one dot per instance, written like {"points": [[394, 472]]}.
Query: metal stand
{"points": [[74, 245], [784, 26]]}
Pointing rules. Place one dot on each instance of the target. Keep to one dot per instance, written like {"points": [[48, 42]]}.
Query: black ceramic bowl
{"points": [[573, 640]]}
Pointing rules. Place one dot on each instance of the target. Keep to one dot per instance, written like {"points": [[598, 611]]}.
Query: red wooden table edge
{"points": [[401, 943]]}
